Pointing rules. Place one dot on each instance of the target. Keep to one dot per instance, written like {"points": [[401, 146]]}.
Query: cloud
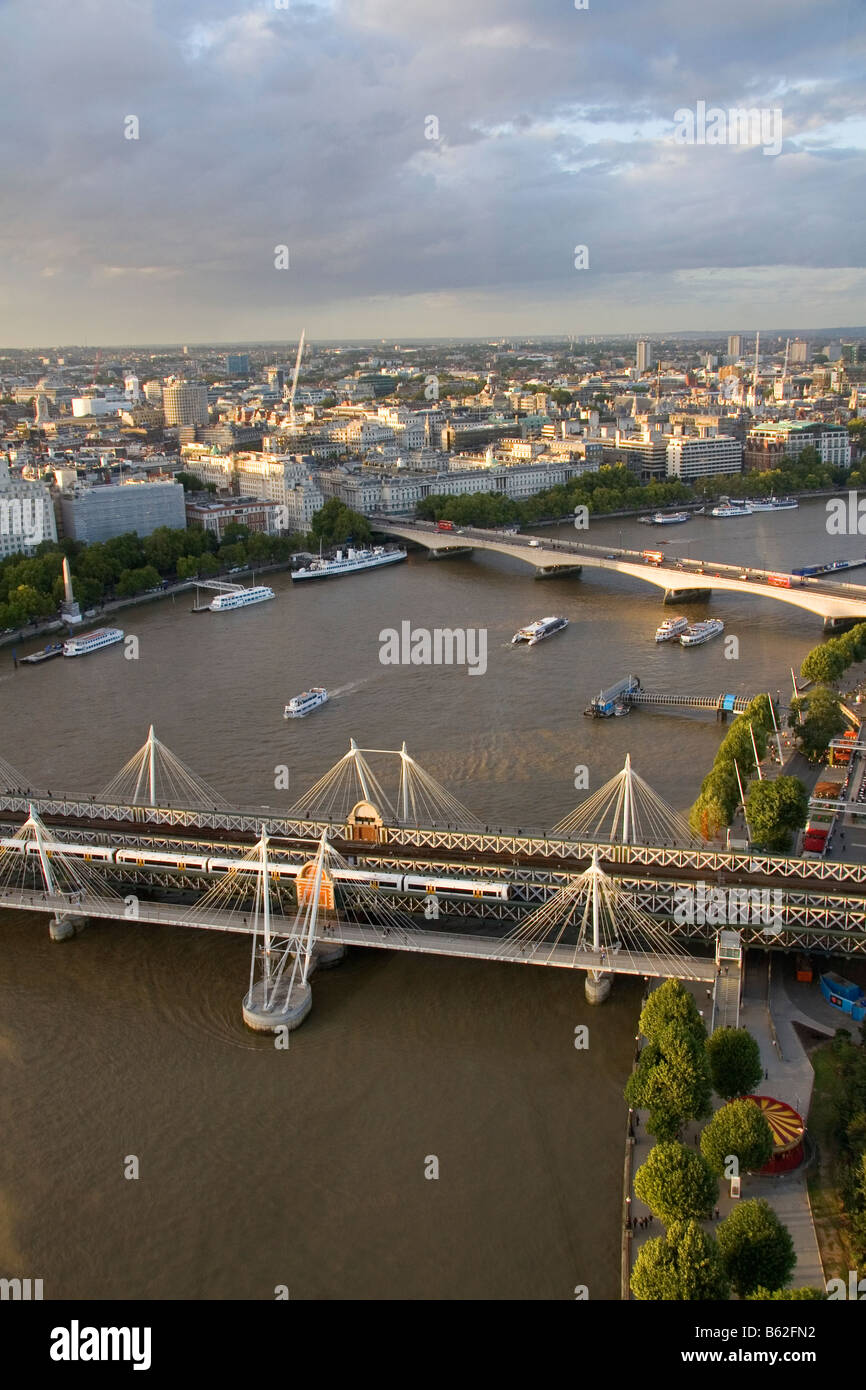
{"points": [[306, 126]]}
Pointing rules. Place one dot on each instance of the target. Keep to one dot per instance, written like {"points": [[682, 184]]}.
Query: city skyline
{"points": [[430, 174]]}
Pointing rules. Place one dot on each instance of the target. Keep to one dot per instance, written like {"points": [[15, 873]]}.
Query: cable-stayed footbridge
{"points": [[619, 886]]}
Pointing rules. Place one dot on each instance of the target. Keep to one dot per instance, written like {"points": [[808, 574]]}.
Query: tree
{"points": [[676, 1183], [825, 663], [804, 1292], [735, 1062], [671, 1003], [335, 523], [672, 1081], [823, 720], [739, 1130], [684, 1264], [756, 1249], [775, 809]]}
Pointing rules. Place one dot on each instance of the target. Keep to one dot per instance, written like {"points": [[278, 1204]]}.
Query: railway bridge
{"points": [[617, 887]]}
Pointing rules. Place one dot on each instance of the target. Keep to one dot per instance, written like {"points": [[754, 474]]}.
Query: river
{"points": [[306, 1167]]}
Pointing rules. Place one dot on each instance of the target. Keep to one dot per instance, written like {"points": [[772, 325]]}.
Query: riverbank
{"points": [[49, 628]]}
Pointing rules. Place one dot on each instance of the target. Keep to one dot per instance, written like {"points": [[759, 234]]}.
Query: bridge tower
{"points": [[278, 997], [597, 982]]}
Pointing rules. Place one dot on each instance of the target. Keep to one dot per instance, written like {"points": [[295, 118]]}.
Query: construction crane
{"points": [[295, 380]]}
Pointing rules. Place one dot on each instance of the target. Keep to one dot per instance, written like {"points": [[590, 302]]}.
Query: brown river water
{"points": [[306, 1167]]}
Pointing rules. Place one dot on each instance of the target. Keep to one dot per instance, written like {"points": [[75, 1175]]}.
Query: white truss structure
{"points": [[154, 776], [419, 799], [626, 811]]}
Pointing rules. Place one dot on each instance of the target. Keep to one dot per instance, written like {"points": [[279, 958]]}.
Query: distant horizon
{"points": [[402, 342]]}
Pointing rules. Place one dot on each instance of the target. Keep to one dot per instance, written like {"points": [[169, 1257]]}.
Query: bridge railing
{"points": [[508, 846]]}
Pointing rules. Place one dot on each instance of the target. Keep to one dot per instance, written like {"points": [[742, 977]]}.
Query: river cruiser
{"points": [[773, 504], [537, 631], [88, 642], [241, 598], [669, 518], [699, 633], [671, 628], [349, 562], [731, 507], [303, 704]]}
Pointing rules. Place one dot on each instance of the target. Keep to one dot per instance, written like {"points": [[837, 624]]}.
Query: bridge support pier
{"points": [[62, 926], [597, 986], [288, 1006], [679, 596], [327, 954], [446, 550], [558, 571], [839, 624]]}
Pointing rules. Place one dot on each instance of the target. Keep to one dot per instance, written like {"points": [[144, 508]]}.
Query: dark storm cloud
{"points": [[306, 126]]}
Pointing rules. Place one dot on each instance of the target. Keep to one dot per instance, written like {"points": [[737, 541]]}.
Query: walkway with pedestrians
{"points": [[789, 1077]]}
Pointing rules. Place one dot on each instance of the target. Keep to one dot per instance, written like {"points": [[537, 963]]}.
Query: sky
{"points": [[430, 168]]}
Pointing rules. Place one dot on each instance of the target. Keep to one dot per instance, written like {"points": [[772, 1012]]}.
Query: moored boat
{"points": [[699, 633], [671, 629], [241, 598], [349, 562], [88, 642]]}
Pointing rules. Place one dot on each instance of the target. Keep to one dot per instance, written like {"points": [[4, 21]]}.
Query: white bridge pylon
{"points": [[603, 920], [626, 811], [154, 776], [30, 861], [419, 798]]}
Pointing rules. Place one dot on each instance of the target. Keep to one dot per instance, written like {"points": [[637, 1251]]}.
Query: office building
{"points": [[644, 355], [735, 346], [185, 403], [26, 515], [237, 363], [689, 456], [102, 512]]}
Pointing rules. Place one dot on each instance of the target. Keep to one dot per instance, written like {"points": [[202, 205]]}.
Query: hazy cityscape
{"points": [[543, 297]]}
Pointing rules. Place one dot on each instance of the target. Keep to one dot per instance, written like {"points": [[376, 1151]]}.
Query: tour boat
{"points": [[537, 631], [240, 598], [773, 504], [671, 629], [300, 705], [92, 641], [669, 518], [699, 633], [731, 507], [349, 563]]}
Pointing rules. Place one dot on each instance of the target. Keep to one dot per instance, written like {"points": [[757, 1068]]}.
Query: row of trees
{"points": [[826, 662], [849, 1065], [773, 809], [679, 1068], [614, 488], [31, 587]]}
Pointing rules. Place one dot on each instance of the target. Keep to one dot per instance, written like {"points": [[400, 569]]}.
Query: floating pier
{"points": [[629, 692]]}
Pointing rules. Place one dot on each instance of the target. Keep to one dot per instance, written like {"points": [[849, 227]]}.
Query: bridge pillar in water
{"points": [[287, 1008], [597, 986], [327, 954], [840, 624], [444, 551], [62, 926], [558, 571], [678, 596]]}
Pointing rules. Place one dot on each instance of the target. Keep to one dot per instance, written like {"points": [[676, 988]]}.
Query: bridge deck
{"points": [[393, 939]]}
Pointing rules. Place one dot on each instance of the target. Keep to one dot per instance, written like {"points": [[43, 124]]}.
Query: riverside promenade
{"points": [[769, 1014]]}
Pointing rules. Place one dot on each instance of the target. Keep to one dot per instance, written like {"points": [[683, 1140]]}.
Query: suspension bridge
{"points": [[359, 862]]}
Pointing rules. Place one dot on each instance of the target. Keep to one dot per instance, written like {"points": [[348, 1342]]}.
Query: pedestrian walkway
{"points": [[788, 1076]]}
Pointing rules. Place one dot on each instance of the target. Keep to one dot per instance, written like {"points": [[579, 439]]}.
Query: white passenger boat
{"points": [[241, 598], [773, 504], [671, 628], [669, 518], [699, 633], [537, 631], [303, 704], [88, 642], [349, 563], [729, 507]]}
